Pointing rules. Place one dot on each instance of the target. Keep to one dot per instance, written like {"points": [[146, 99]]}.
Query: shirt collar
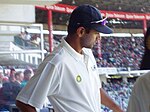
{"points": [[71, 51]]}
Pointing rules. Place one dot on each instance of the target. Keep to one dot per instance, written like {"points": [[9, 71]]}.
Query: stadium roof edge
{"points": [[30, 2]]}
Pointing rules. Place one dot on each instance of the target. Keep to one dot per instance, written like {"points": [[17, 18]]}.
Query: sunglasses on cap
{"points": [[102, 21]]}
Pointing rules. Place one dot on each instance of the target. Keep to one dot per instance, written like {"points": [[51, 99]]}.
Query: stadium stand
{"points": [[119, 91], [121, 52]]}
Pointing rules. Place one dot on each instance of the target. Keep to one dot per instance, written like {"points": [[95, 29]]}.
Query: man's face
{"points": [[89, 38]]}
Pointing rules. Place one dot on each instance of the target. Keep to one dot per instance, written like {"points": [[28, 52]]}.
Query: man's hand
{"points": [[25, 107]]}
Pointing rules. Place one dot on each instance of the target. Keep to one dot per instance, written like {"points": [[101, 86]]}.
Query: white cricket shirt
{"points": [[69, 80]]}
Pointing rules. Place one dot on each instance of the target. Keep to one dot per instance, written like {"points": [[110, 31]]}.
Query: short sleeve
{"points": [[40, 86]]}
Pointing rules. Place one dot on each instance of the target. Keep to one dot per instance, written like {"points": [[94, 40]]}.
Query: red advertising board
{"points": [[110, 14]]}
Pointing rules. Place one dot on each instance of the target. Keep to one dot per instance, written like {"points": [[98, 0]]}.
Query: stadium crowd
{"points": [[120, 52], [120, 91], [11, 83]]}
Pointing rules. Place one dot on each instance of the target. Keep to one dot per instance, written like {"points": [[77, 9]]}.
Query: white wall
{"points": [[17, 13]]}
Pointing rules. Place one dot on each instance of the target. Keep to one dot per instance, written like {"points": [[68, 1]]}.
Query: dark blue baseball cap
{"points": [[89, 16]]}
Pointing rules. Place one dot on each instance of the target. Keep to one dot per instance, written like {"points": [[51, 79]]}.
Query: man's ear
{"points": [[80, 31]]}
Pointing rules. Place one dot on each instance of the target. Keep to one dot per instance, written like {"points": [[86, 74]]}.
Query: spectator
{"points": [[27, 36], [19, 76], [12, 75], [27, 76], [35, 39]]}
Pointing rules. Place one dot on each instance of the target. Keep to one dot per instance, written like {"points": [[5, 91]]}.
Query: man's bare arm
{"points": [[108, 101], [25, 107]]}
